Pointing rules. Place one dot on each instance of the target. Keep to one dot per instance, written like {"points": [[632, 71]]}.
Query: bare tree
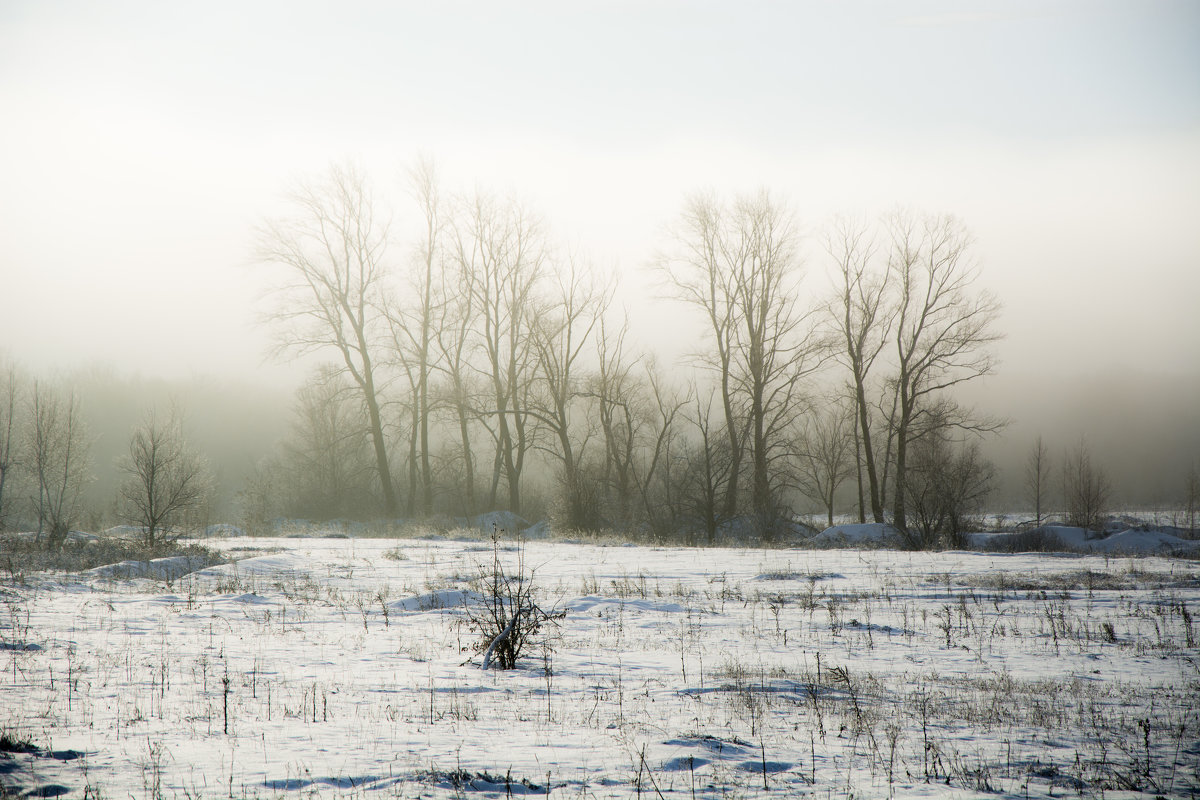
{"points": [[740, 266], [459, 392], [58, 450], [1037, 477], [709, 469], [413, 324], [501, 256], [654, 472], [333, 250], [261, 499], [824, 459], [10, 440], [618, 409], [862, 320], [561, 332], [328, 462], [700, 272], [947, 481], [776, 347], [1191, 497], [165, 479], [638, 413], [1086, 489], [943, 331]]}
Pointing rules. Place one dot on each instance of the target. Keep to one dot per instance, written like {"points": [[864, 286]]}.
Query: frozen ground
{"points": [[344, 668]]}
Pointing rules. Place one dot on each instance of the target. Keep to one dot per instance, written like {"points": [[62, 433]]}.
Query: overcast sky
{"points": [[140, 142]]}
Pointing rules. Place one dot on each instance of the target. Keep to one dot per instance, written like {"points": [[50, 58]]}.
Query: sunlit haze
{"points": [[143, 141]]}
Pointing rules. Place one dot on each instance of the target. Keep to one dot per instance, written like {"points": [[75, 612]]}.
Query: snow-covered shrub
{"points": [[508, 617]]}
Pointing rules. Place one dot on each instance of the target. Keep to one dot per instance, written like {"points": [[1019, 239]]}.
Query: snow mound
{"points": [[447, 598], [538, 530], [869, 533], [287, 563], [80, 539], [163, 569], [125, 532], [605, 606], [1070, 537], [502, 520], [223, 529], [1139, 541], [747, 530], [250, 598], [1065, 538], [308, 529]]}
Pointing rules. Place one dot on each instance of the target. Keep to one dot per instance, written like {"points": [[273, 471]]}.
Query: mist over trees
{"points": [[460, 359]]}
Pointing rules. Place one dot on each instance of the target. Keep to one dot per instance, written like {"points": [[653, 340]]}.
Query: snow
{"points": [[223, 529], [539, 530], [1063, 538], [124, 532], [163, 569], [1069, 537], [323, 667], [505, 521], [1138, 541], [872, 532]]}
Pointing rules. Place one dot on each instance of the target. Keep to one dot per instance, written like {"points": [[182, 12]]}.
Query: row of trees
{"points": [[45, 464], [483, 353], [471, 366], [1085, 492]]}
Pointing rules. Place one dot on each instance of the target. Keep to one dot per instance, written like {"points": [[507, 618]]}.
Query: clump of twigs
{"points": [[508, 616]]}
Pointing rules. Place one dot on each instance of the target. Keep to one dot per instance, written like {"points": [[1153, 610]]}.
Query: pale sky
{"points": [[140, 142]]}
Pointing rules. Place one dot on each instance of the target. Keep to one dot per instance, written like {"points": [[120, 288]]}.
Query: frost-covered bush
{"points": [[508, 617]]}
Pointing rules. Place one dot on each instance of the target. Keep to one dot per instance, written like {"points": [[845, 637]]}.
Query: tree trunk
{"points": [[902, 433], [381, 458], [464, 432], [864, 428]]}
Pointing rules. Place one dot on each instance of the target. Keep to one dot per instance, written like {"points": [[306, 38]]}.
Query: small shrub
{"points": [[13, 743], [508, 617], [396, 554]]}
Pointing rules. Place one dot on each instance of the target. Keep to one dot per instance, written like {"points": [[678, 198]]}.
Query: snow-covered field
{"points": [[344, 668]]}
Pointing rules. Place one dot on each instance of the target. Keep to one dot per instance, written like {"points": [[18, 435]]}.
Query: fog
{"points": [[144, 143]]}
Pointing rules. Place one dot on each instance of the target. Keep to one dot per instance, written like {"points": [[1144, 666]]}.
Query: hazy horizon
{"points": [[146, 141]]}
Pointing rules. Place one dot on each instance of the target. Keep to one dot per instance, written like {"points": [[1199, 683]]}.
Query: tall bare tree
{"points": [[165, 479], [862, 320], [740, 265], [58, 451], [943, 331], [700, 272], [776, 346], [614, 388], [414, 322], [333, 251], [1037, 477], [459, 392], [10, 439], [500, 251], [561, 333]]}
